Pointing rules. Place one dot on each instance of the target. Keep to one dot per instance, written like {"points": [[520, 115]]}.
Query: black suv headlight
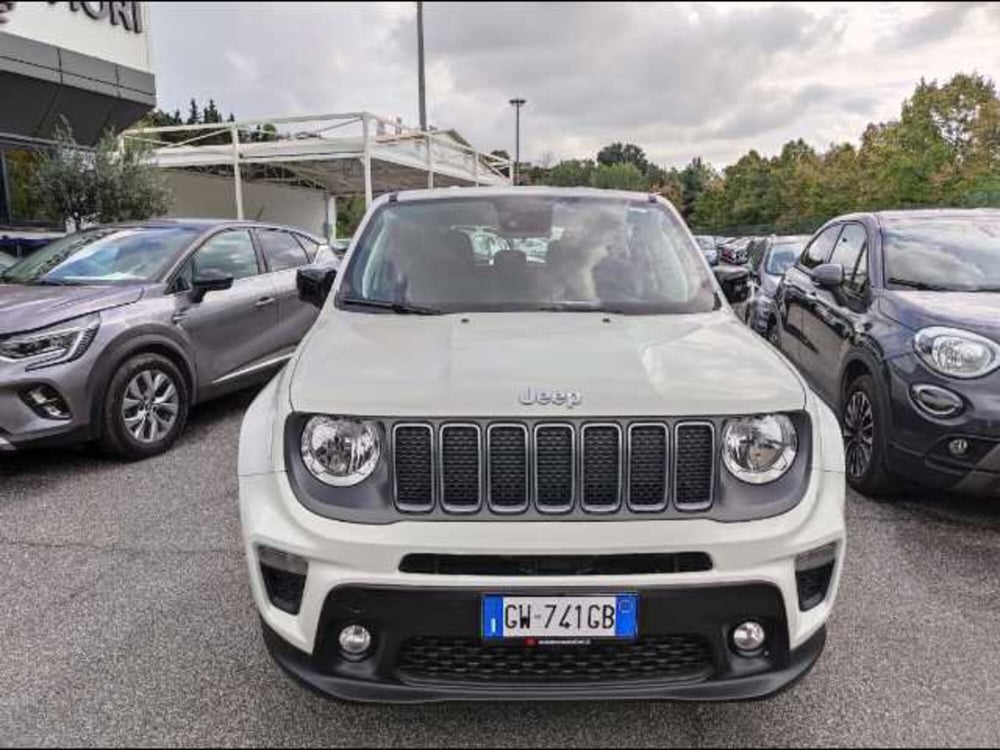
{"points": [[759, 449], [955, 353]]}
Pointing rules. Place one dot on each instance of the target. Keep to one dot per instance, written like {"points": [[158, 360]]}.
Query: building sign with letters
{"points": [[117, 32]]}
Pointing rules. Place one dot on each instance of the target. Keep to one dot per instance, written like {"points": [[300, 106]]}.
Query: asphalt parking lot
{"points": [[127, 620]]}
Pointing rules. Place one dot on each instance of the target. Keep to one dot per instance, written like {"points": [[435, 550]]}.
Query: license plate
{"points": [[607, 616]]}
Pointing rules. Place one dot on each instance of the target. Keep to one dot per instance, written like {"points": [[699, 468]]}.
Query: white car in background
{"points": [[492, 479]]}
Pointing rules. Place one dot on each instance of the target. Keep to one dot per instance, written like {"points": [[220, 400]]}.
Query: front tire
{"points": [[863, 425], [145, 409]]}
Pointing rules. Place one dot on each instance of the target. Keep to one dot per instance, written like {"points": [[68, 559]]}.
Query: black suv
{"points": [[895, 318]]}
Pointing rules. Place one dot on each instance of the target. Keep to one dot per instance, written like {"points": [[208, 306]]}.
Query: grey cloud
{"points": [[940, 22], [764, 110], [677, 79]]}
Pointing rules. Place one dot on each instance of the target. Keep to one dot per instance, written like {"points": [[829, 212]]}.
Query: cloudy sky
{"points": [[679, 79]]}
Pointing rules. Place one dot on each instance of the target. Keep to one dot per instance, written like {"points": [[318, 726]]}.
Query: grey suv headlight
{"points": [[54, 345], [339, 451], [759, 449], [955, 353]]}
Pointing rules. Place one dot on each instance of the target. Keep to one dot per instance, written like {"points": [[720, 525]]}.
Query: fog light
{"points": [[958, 447], [749, 637], [355, 640], [46, 402]]}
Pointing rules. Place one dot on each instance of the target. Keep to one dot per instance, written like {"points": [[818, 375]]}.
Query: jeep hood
{"points": [[476, 365], [29, 307]]}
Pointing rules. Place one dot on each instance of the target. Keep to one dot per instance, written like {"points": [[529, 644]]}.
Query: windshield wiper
{"points": [[400, 308], [921, 285]]}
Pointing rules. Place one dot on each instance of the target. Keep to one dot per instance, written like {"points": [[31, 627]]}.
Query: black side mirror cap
{"points": [[735, 282], [209, 280], [314, 283], [829, 275]]}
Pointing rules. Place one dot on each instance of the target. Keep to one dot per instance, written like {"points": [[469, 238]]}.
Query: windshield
{"points": [[782, 257], [103, 256], [524, 253], [946, 254]]}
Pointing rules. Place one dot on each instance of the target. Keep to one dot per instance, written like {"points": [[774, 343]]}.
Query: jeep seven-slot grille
{"points": [[509, 467]]}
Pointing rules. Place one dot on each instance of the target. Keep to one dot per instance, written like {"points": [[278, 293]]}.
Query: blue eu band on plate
{"points": [[602, 616]]}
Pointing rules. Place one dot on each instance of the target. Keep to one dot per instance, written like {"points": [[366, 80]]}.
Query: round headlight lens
{"points": [[339, 451], [957, 353], [759, 449]]}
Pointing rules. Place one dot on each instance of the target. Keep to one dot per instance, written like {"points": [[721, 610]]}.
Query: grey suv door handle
{"points": [[178, 318], [264, 302]]}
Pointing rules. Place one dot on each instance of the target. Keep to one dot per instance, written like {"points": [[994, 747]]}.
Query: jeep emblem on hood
{"points": [[532, 396]]}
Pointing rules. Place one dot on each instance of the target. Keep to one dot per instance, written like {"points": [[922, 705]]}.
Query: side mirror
{"points": [[209, 280], [829, 275], [735, 282], [314, 283]]}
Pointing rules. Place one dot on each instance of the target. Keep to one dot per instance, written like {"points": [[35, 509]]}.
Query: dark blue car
{"points": [[895, 319]]}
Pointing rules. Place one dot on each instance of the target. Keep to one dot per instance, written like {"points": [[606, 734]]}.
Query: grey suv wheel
{"points": [[145, 408]]}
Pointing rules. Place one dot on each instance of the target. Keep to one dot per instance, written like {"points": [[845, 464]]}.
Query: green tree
{"points": [[114, 182], [350, 211], [570, 173], [621, 176], [623, 153]]}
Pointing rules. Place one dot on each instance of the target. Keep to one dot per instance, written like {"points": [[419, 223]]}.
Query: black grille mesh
{"points": [[695, 463], [601, 466], [508, 480], [414, 467], [460, 462], [472, 660], [647, 484], [554, 466]]}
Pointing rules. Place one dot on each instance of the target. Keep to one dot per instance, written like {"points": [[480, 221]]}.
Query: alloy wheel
{"points": [[859, 434], [150, 406]]}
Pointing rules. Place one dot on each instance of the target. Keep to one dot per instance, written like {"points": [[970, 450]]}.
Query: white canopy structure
{"points": [[339, 154]]}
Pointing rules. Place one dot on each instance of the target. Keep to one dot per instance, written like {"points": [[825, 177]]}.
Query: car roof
{"points": [[208, 224], [902, 215], [537, 190], [898, 216]]}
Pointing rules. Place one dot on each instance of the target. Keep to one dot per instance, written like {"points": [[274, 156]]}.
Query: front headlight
{"points": [[54, 345], [956, 353], [339, 451], [759, 449]]}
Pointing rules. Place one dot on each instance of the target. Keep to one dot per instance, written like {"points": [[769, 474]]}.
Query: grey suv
{"points": [[114, 332]]}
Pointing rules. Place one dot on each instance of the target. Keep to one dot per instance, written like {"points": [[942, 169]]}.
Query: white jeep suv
{"points": [[569, 474]]}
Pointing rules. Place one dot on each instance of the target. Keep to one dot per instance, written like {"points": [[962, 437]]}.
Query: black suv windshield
{"points": [[109, 255], [959, 253], [528, 253]]}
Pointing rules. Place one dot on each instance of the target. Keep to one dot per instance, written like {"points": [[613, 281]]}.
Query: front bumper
{"points": [[752, 576], [454, 666], [918, 447], [75, 383]]}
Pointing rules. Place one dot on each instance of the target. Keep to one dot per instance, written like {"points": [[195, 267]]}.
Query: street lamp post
{"points": [[420, 66], [518, 103]]}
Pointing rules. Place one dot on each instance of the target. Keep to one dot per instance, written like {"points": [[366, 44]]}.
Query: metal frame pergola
{"points": [[342, 154]]}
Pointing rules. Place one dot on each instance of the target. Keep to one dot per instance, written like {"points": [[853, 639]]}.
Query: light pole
{"points": [[518, 103], [420, 65]]}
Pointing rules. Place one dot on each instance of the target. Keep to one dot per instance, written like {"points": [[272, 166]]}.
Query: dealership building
{"points": [[91, 64]]}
